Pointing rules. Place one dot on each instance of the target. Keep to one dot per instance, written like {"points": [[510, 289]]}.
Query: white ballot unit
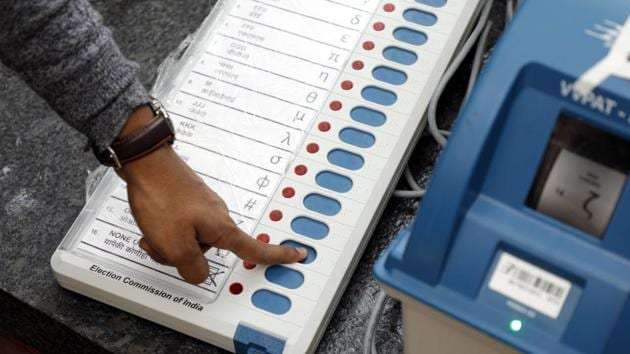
{"points": [[301, 116]]}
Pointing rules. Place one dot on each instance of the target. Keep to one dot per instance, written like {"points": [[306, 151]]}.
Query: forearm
{"points": [[69, 57]]}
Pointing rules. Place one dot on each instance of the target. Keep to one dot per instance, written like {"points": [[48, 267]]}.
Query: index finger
{"points": [[254, 251]]}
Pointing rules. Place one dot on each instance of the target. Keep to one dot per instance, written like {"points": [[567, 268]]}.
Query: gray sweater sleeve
{"points": [[65, 53]]}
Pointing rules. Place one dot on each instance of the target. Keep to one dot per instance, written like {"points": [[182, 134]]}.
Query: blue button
{"points": [[420, 17], [272, 302], [312, 254], [434, 3], [308, 227], [322, 204], [368, 116], [400, 56], [334, 181], [345, 159], [357, 137], [389, 75], [379, 95], [410, 36], [283, 276]]}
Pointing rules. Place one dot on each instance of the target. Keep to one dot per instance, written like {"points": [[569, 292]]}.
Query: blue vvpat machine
{"points": [[522, 243]]}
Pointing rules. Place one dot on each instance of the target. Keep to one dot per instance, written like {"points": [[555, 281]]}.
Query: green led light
{"points": [[516, 325]]}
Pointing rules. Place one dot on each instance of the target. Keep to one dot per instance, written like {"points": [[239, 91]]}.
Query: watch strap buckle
{"points": [[114, 157]]}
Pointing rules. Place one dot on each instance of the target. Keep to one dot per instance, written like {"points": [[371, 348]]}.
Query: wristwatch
{"points": [[141, 142]]}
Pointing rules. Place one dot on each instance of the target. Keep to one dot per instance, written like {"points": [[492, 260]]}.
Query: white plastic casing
{"points": [[313, 303]]}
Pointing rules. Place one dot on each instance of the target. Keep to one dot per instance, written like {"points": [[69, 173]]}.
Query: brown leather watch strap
{"points": [[139, 143]]}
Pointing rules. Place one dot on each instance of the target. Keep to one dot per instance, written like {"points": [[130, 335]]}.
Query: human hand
{"points": [[181, 218]]}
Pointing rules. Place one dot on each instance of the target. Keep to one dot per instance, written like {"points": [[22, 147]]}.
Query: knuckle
{"points": [[216, 202]]}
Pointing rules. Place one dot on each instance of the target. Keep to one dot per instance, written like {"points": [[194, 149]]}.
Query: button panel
{"points": [[331, 131], [333, 175]]}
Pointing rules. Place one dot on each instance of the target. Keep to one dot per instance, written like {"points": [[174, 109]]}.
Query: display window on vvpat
{"points": [[582, 176]]}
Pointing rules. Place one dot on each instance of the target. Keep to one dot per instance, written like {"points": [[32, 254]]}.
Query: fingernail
{"points": [[303, 251]]}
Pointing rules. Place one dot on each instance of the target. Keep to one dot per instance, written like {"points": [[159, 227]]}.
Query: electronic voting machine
{"points": [[522, 242], [300, 115]]}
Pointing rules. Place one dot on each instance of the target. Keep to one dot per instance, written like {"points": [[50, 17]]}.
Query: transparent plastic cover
{"points": [[242, 93]]}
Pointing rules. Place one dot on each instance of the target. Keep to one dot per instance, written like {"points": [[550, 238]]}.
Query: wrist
{"points": [[133, 170], [147, 129], [153, 164]]}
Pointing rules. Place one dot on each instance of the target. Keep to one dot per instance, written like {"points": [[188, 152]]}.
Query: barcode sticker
{"points": [[530, 285]]}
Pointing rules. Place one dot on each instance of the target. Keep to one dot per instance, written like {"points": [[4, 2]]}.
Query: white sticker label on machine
{"points": [[530, 285]]}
